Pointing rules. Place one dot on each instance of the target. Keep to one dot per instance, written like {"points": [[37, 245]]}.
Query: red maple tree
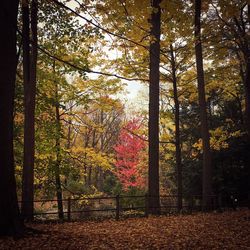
{"points": [[130, 156]]}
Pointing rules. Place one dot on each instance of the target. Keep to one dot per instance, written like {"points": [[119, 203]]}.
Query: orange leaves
{"points": [[229, 230]]}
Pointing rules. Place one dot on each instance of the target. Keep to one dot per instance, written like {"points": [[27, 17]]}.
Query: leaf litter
{"points": [[227, 230]]}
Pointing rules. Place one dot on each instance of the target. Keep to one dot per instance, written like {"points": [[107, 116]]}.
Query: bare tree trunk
{"points": [[29, 69], [177, 131], [207, 164], [90, 176], [10, 223], [100, 180], [68, 146], [247, 101], [58, 155], [247, 114], [247, 78], [153, 173], [242, 75], [86, 143]]}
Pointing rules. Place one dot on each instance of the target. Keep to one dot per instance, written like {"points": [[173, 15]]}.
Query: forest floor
{"points": [[227, 230]]}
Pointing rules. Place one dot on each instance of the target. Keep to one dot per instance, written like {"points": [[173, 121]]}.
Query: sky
{"points": [[132, 89]]}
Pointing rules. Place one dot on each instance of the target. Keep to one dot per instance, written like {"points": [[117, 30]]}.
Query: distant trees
{"points": [[10, 223]]}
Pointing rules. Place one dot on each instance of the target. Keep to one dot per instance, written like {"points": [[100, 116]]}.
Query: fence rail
{"points": [[79, 208]]}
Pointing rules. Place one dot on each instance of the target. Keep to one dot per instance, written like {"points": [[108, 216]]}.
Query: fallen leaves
{"points": [[228, 230]]}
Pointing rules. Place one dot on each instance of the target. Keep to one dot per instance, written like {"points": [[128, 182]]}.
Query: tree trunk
{"points": [[207, 164], [10, 223], [247, 115], [153, 173], [90, 176], [68, 146], [177, 132], [58, 155], [247, 101], [100, 180], [29, 73], [247, 79]]}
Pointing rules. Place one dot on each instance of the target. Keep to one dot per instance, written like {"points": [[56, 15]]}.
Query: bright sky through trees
{"points": [[132, 89]]}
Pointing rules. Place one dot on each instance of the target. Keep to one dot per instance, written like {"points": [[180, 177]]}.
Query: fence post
{"points": [[192, 204], [146, 205], [117, 215], [69, 209], [220, 205]]}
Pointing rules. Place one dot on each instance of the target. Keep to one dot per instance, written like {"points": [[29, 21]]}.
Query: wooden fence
{"points": [[119, 206]]}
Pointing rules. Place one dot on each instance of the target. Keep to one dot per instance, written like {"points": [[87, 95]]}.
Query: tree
{"points": [[57, 168], [153, 126], [234, 19], [207, 164], [177, 131], [10, 223], [29, 74], [129, 156]]}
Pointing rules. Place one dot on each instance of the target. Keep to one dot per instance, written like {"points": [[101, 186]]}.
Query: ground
{"points": [[227, 230]]}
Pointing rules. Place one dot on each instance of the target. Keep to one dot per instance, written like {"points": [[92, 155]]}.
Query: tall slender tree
{"points": [[10, 223], [207, 164], [58, 160], [247, 74], [247, 96], [177, 130], [153, 173], [29, 73]]}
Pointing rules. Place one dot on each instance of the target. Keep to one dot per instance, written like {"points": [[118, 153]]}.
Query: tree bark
{"points": [[207, 164], [58, 155], [247, 78], [247, 101], [68, 142], [101, 175], [153, 174], [177, 132], [247, 115], [29, 73], [10, 223]]}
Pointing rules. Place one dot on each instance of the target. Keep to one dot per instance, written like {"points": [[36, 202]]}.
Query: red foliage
{"points": [[130, 151]]}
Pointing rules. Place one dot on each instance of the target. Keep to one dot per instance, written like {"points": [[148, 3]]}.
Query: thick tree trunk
{"points": [[153, 173], [177, 132], [29, 72], [10, 223], [207, 164]]}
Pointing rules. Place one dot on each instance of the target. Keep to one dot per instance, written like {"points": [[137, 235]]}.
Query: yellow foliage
{"points": [[90, 157], [218, 139]]}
